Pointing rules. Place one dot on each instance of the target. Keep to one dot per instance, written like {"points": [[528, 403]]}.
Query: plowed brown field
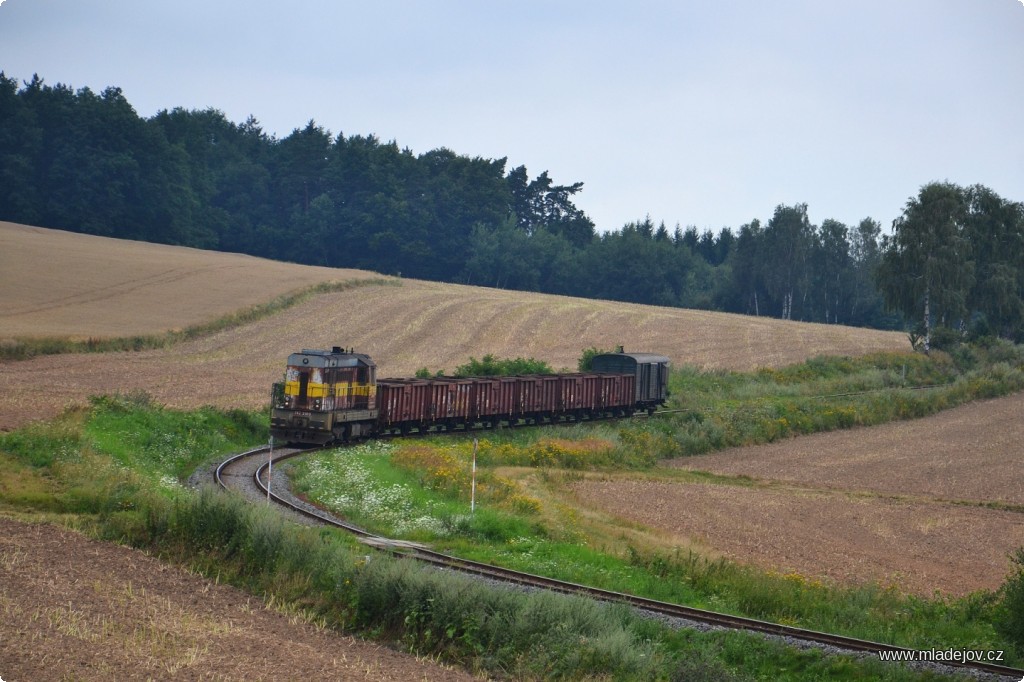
{"points": [[915, 546], [974, 453], [77, 609]]}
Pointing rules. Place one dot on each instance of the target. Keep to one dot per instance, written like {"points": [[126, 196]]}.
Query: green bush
{"points": [[583, 364], [1009, 619], [944, 338], [532, 635], [209, 522], [492, 366]]}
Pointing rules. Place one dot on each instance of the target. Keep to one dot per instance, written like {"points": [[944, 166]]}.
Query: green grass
{"points": [[361, 485], [115, 469], [686, 578], [166, 445], [114, 455], [357, 484]]}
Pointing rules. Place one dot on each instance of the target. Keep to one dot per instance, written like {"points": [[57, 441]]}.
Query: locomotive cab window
{"points": [[296, 385]]}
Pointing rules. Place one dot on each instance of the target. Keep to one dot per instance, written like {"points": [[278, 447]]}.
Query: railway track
{"points": [[249, 473]]}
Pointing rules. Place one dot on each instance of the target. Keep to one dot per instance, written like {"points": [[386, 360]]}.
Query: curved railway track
{"points": [[248, 472]]}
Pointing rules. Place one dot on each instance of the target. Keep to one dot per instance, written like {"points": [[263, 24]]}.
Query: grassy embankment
{"points": [[115, 470]]}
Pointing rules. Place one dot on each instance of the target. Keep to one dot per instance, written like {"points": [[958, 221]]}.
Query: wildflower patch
{"points": [[343, 480], [448, 470], [550, 452]]}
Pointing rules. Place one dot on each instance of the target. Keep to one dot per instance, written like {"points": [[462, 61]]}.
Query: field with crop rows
{"points": [[56, 283], [89, 289]]}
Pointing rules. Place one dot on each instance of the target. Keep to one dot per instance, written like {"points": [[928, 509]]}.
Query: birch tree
{"points": [[788, 239], [926, 270]]}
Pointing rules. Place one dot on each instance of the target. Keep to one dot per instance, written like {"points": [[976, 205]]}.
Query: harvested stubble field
{"points": [[63, 284], [402, 327], [901, 503], [916, 546], [77, 609]]}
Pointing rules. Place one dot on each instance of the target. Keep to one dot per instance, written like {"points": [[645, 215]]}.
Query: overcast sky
{"points": [[698, 113]]}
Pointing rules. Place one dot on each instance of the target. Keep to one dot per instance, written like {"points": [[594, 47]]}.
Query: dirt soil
{"points": [[882, 504], [918, 547], [972, 452], [75, 609]]}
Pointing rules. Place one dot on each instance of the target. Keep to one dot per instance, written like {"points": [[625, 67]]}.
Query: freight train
{"points": [[334, 396]]}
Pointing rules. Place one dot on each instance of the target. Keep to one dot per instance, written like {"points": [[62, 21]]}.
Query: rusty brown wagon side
{"points": [[329, 396]]}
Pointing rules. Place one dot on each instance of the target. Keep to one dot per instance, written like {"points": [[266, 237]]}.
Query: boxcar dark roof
{"points": [[648, 357], [639, 358]]}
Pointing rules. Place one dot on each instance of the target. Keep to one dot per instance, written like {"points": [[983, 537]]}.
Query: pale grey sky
{"points": [[697, 113]]}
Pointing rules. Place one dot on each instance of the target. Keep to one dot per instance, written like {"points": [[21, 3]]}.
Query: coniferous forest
{"points": [[75, 160]]}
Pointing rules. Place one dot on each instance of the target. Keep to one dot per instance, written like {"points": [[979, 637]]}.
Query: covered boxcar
{"points": [[650, 371]]}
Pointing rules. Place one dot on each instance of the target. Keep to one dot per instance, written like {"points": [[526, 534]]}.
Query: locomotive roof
{"points": [[329, 358]]}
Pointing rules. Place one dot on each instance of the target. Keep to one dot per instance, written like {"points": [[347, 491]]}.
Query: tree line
{"points": [[954, 265], [86, 162]]}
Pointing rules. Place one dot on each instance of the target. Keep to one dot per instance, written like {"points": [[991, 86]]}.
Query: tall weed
{"points": [[1009, 618], [721, 409]]}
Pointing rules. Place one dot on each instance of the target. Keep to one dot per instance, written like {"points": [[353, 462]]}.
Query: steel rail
{"points": [[417, 552]]}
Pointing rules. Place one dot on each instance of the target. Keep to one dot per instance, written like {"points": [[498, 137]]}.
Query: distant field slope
{"points": [[417, 324], [55, 283], [440, 325]]}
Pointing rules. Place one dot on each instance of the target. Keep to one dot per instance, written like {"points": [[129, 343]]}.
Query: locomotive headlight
{"points": [[316, 404]]}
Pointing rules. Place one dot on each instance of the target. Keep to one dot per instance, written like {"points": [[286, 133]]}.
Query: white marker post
{"points": [[472, 494], [270, 467]]}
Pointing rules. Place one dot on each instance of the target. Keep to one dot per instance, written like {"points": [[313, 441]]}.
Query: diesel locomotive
{"points": [[334, 396]]}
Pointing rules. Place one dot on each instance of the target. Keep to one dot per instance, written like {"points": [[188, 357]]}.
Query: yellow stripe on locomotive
{"points": [[325, 396]]}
